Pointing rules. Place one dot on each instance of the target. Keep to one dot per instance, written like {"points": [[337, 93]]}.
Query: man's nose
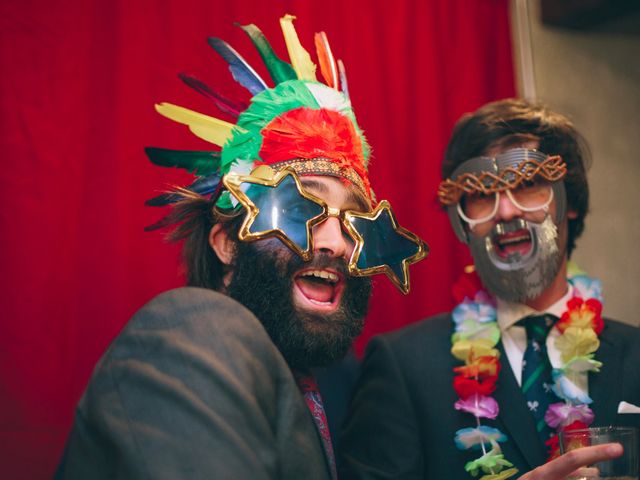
{"points": [[507, 210], [329, 238]]}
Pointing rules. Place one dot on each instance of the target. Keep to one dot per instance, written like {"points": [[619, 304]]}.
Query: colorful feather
{"points": [[279, 70], [224, 104], [326, 60], [240, 69], [344, 86], [208, 128], [202, 186], [198, 163], [300, 59], [329, 98]]}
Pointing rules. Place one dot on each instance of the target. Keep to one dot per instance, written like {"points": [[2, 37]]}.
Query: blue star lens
{"points": [[283, 207], [382, 244]]}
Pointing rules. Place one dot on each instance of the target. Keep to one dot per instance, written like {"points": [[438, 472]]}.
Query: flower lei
{"points": [[477, 334]]}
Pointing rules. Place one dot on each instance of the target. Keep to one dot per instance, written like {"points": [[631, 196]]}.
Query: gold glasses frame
{"points": [[268, 177]]}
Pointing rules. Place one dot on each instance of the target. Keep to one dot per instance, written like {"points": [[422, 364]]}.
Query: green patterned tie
{"points": [[536, 371]]}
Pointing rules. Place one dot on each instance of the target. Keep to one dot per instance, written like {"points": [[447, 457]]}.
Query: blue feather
{"points": [[240, 69]]}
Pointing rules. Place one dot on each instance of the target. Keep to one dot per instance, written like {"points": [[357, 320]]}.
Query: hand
{"points": [[568, 463]]}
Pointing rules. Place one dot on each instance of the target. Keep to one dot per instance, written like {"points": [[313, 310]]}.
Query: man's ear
{"points": [[572, 214], [221, 244]]}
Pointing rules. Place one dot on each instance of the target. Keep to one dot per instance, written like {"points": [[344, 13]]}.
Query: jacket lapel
{"points": [[517, 423], [605, 387], [514, 418]]}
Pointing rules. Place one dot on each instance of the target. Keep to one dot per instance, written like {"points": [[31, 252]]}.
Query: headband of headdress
{"points": [[299, 123]]}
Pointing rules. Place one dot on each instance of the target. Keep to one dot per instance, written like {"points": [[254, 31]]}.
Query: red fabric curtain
{"points": [[79, 81]]}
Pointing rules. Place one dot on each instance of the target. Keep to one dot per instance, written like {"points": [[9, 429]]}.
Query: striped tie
{"points": [[536, 371]]}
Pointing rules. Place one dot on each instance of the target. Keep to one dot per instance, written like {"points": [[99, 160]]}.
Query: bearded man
{"points": [[526, 353], [281, 232]]}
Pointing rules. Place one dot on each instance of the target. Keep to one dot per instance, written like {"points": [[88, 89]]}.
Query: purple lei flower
{"points": [[562, 414], [484, 298], [479, 406]]}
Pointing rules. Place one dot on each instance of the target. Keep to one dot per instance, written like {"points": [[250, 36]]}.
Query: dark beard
{"points": [[262, 281]]}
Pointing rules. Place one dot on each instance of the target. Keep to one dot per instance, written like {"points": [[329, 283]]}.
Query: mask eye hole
{"points": [[478, 205], [531, 195], [478, 208]]}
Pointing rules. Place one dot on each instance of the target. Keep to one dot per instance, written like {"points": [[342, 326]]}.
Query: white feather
{"points": [[329, 98]]}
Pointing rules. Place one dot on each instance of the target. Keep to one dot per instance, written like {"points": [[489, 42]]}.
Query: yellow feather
{"points": [[300, 59], [208, 128]]}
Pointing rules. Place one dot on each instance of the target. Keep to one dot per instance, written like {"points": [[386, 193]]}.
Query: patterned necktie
{"points": [[311, 392], [536, 371]]}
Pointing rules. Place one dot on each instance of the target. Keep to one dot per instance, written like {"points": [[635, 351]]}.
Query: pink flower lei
{"points": [[473, 342]]}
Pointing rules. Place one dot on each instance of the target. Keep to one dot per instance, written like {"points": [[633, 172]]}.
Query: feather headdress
{"points": [[298, 123]]}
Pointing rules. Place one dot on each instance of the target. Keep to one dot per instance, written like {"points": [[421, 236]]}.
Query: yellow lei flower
{"points": [[576, 342], [503, 475], [466, 349], [582, 318]]}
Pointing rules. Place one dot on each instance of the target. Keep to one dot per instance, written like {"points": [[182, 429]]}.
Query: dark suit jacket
{"points": [[336, 383], [193, 388], [402, 422]]}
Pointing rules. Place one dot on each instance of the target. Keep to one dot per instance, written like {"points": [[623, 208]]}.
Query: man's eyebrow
{"points": [[353, 198]]}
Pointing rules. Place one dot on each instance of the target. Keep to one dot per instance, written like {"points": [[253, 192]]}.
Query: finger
{"points": [[589, 472], [564, 465]]}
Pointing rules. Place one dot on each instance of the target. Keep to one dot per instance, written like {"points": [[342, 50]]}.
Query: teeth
{"points": [[507, 241], [332, 277]]}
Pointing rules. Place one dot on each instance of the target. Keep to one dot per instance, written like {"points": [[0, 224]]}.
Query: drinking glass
{"points": [[621, 468]]}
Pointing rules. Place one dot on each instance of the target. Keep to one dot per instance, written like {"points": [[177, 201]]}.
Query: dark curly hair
{"points": [[512, 122], [190, 220]]}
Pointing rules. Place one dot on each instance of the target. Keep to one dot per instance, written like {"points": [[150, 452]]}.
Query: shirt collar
{"points": [[509, 313]]}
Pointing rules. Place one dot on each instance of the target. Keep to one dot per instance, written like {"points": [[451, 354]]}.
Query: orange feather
{"points": [[326, 60]]}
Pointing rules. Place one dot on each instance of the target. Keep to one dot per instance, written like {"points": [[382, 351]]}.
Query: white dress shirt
{"points": [[514, 337]]}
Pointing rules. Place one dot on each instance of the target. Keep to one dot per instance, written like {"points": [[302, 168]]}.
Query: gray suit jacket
{"points": [[193, 388], [402, 422]]}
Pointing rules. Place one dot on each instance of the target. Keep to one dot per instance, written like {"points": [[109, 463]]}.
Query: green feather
{"points": [[279, 70], [245, 142], [198, 163]]}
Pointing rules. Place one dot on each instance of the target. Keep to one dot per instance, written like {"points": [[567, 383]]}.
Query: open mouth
{"points": [[318, 289], [508, 244]]}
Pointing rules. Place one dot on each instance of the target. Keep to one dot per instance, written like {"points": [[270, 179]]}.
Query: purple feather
{"points": [[224, 104], [240, 69], [344, 85]]}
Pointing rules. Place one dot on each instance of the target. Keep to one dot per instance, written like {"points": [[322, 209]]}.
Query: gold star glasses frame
{"points": [[278, 205]]}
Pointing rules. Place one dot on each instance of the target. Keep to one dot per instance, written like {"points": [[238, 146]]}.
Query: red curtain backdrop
{"points": [[78, 84]]}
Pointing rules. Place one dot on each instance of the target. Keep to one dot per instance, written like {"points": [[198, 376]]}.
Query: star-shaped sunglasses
{"points": [[278, 205]]}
